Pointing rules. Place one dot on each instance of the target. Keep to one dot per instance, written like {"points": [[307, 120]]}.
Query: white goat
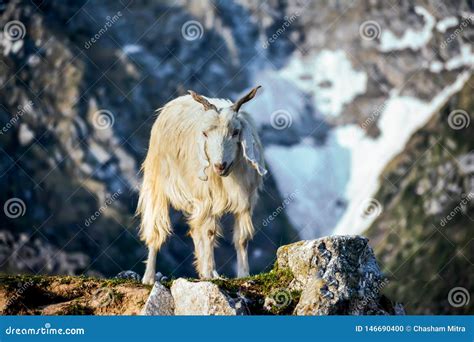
{"points": [[205, 159]]}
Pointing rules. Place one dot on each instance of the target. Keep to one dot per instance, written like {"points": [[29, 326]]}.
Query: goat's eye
{"points": [[235, 132], [205, 134]]}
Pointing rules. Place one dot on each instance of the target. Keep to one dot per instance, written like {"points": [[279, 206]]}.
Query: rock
{"points": [[337, 275], [160, 302], [128, 275], [331, 275], [202, 298], [160, 277]]}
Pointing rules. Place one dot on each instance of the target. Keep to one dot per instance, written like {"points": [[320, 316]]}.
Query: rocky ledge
{"points": [[335, 275]]}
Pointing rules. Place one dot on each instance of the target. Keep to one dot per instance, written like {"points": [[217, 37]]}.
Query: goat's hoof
{"points": [[148, 280], [215, 275]]}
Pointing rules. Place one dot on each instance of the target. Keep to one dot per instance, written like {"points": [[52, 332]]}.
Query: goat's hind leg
{"points": [[155, 229]]}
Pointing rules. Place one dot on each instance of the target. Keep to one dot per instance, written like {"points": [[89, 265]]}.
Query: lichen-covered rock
{"points": [[160, 302], [202, 298], [132, 275], [337, 275]]}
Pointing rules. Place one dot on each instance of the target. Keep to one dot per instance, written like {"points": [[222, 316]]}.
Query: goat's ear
{"points": [[202, 158], [199, 98], [250, 95], [251, 147]]}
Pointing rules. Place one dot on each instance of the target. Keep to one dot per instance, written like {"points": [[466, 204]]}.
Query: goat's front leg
{"points": [[243, 232], [149, 276], [204, 235]]}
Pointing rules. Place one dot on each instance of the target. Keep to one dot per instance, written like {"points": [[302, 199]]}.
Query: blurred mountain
{"points": [[345, 86], [424, 235]]}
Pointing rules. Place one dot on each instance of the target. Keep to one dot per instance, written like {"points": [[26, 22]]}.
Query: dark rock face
{"points": [[77, 115], [423, 238]]}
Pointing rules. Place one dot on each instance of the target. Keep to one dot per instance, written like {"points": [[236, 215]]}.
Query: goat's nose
{"points": [[220, 167]]}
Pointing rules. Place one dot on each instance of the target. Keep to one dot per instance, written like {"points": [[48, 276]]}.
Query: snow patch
{"points": [[444, 24], [129, 49], [465, 58], [329, 77], [411, 38], [402, 116], [317, 176]]}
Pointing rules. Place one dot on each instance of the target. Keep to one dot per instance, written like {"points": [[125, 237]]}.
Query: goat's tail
{"points": [[155, 225]]}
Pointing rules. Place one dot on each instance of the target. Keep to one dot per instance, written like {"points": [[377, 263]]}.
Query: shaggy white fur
{"points": [[205, 159]]}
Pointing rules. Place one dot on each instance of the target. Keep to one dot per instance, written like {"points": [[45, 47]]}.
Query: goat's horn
{"points": [[236, 106], [198, 98]]}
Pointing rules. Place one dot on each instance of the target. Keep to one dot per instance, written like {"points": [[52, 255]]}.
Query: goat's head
{"points": [[223, 134]]}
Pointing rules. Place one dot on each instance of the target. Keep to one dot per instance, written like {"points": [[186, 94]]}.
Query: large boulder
{"points": [[337, 275], [202, 298]]}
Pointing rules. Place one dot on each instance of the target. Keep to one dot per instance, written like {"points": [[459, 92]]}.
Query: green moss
{"points": [[260, 286], [76, 308]]}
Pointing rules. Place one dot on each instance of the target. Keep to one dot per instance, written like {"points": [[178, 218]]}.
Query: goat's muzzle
{"points": [[223, 169]]}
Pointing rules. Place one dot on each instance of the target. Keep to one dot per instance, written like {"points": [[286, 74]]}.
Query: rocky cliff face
{"points": [[424, 234], [327, 276], [77, 104]]}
